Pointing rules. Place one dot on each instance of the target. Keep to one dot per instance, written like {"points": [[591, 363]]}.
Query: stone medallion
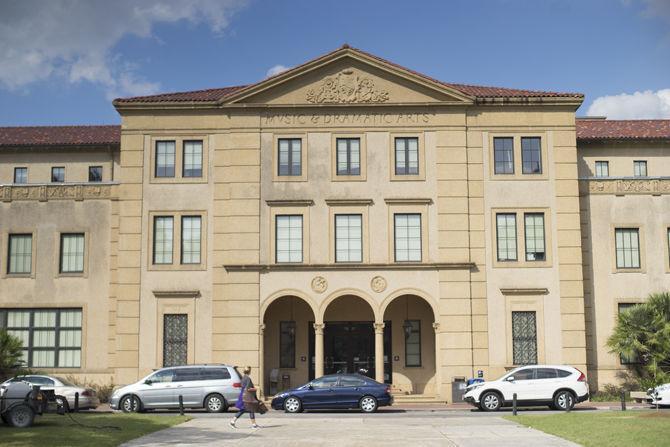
{"points": [[319, 284], [378, 284]]}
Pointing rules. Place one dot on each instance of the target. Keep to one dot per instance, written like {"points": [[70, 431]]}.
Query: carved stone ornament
{"points": [[628, 186], [346, 87], [378, 284], [319, 284], [45, 193]]}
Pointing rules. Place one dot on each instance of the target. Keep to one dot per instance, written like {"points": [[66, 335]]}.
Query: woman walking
{"points": [[247, 402]]}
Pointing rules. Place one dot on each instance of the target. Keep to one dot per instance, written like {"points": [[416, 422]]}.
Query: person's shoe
{"points": [[255, 426], [232, 423]]}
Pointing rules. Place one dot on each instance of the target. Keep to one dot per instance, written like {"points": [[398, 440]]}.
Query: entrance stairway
{"points": [[402, 399]]}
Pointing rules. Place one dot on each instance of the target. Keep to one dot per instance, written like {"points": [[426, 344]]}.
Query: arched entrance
{"points": [[287, 334], [413, 347]]}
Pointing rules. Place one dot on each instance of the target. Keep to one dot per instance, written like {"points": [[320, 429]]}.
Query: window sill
{"points": [[349, 178], [630, 270], [19, 275], [289, 178], [71, 275], [408, 178], [176, 267]]}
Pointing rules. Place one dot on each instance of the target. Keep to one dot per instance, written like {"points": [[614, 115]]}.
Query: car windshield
{"points": [[64, 381]]}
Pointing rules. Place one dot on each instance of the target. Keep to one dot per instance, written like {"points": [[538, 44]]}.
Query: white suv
{"points": [[560, 387]]}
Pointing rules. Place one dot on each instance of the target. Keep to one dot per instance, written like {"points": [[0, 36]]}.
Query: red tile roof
{"points": [[212, 94], [60, 135], [603, 129]]}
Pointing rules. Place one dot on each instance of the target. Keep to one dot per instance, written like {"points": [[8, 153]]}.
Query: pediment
{"points": [[348, 79]]}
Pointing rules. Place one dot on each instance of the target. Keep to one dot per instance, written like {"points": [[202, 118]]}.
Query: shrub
{"points": [[103, 391], [11, 355]]}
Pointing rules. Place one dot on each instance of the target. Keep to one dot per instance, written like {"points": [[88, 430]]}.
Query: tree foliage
{"points": [[643, 331], [11, 350]]}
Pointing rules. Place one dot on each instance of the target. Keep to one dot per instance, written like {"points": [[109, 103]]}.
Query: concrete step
{"points": [[415, 399]]}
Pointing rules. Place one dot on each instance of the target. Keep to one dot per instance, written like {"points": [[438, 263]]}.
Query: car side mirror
{"points": [[510, 379], [310, 387], [148, 382]]}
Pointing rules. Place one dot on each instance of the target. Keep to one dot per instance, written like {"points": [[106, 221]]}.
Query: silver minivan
{"points": [[213, 387]]}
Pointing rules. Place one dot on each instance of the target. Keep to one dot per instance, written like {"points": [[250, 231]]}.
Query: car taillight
{"points": [[582, 377], [388, 390], [87, 393], [237, 384]]}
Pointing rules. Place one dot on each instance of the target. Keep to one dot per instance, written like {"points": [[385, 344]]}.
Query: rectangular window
{"points": [[602, 168], [413, 343], [524, 338], [192, 159], [288, 238], [640, 168], [20, 175], [506, 236], [51, 337], [287, 344], [503, 155], [627, 359], [190, 239], [165, 158], [348, 238], [407, 229], [348, 156], [290, 157], [534, 230], [627, 242], [531, 155], [175, 339], [20, 256], [58, 174], [163, 236], [407, 156], [95, 173], [72, 253]]}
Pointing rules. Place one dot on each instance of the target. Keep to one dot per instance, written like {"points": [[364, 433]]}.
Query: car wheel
{"points": [[21, 416], [292, 405], [130, 404], [368, 404], [490, 401], [564, 400], [215, 403], [62, 402]]}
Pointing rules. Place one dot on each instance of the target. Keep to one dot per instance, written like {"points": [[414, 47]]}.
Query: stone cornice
{"points": [[401, 201], [176, 293], [525, 291], [306, 202], [349, 202], [49, 191], [267, 268], [621, 186]]}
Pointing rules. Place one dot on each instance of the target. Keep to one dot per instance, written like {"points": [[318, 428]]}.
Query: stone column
{"points": [[261, 359], [318, 349], [379, 352]]}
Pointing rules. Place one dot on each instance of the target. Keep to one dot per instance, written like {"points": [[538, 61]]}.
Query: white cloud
{"points": [[639, 105], [276, 70], [75, 39]]}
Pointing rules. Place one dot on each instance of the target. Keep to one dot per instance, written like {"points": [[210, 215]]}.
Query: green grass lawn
{"points": [[53, 429], [607, 428]]}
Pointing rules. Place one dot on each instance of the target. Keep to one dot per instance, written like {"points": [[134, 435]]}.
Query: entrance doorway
{"points": [[349, 347]]}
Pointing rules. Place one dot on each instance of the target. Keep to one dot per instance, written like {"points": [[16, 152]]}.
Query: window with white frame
{"points": [[602, 168], [348, 238], [407, 231], [289, 160], [627, 242], [640, 168], [534, 232], [20, 254], [407, 156], [51, 338], [531, 155], [192, 159], [190, 239], [165, 158], [21, 175], [506, 236], [288, 238], [348, 156], [503, 155], [163, 239], [72, 253]]}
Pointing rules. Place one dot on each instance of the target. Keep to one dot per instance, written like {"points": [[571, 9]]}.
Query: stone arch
{"points": [[284, 293], [410, 291], [374, 305]]}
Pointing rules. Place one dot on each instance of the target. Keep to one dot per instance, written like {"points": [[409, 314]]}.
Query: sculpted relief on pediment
{"points": [[347, 87]]}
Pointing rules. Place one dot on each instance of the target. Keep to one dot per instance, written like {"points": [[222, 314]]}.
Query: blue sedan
{"points": [[335, 392]]}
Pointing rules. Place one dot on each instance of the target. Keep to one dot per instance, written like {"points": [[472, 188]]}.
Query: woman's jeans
{"points": [[242, 411]]}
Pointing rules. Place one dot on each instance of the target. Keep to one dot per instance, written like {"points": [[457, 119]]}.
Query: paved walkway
{"points": [[359, 430]]}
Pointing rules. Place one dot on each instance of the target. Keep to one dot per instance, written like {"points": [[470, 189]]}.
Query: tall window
{"points": [[602, 168], [95, 173], [534, 230], [72, 253], [627, 359], [192, 159], [51, 337], [165, 158], [531, 155], [407, 237], [175, 339], [58, 174], [348, 238], [627, 242], [290, 157], [348, 156], [190, 239], [163, 236], [20, 175], [506, 236], [287, 344], [20, 254], [288, 238], [407, 156], [503, 155], [640, 168], [413, 344], [524, 338]]}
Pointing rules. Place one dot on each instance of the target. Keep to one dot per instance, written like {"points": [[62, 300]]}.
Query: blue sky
{"points": [[62, 61]]}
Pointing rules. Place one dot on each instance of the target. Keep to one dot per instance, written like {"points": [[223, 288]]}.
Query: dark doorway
{"points": [[349, 346]]}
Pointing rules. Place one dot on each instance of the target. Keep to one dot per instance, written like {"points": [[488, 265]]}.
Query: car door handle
{"points": [[179, 386]]}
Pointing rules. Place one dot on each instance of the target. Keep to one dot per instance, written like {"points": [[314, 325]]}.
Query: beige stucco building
{"points": [[348, 213]]}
